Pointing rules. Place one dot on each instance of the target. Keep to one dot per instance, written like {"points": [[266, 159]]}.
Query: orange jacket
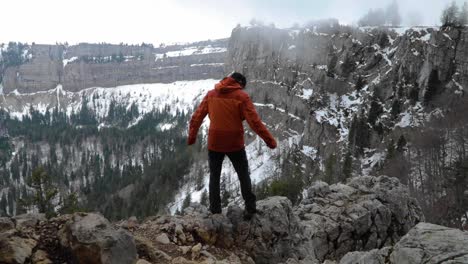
{"points": [[227, 106]]}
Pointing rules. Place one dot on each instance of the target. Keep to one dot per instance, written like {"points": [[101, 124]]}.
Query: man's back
{"points": [[227, 106]]}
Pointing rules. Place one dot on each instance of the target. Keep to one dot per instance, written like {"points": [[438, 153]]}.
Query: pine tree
{"points": [[204, 198], [71, 204], [396, 108], [393, 14], [44, 192], [225, 194], [347, 165], [373, 18], [360, 83], [414, 94], [401, 144], [187, 201], [391, 149], [433, 86], [375, 111], [330, 172], [450, 15]]}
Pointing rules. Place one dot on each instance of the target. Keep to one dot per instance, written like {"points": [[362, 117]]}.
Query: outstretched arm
{"points": [[197, 120], [251, 115]]}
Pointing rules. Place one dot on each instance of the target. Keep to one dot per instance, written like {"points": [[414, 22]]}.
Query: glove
{"points": [[272, 144], [191, 141]]}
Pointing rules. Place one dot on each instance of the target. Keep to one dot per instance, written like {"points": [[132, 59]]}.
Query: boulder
{"points": [[15, 249], [272, 235], [92, 239], [425, 243]]}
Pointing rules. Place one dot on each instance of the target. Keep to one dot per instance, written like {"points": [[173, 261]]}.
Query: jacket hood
{"points": [[227, 85]]}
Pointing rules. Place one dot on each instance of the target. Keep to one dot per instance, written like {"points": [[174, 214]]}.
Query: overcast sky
{"points": [[168, 21]]}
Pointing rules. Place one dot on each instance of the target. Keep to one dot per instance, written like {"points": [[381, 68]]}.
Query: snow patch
{"points": [[66, 61], [367, 164], [307, 93], [190, 51], [310, 151]]}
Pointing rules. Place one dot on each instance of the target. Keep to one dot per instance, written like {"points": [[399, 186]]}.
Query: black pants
{"points": [[241, 165]]}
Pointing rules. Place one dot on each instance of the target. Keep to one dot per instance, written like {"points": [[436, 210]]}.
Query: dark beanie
{"points": [[239, 78]]}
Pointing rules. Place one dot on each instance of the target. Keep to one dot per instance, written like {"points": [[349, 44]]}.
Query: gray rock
{"points": [[318, 189], [374, 256], [428, 243], [163, 239], [425, 243], [92, 239], [28, 220], [272, 235], [367, 213]]}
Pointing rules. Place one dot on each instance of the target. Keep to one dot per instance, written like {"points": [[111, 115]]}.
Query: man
{"points": [[227, 106]]}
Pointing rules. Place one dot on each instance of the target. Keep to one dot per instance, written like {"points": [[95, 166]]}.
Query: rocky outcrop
{"points": [[425, 243], [366, 213], [92, 239]]}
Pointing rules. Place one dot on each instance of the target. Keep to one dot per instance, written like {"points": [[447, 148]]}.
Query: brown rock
{"points": [[41, 257], [15, 249], [6, 224]]}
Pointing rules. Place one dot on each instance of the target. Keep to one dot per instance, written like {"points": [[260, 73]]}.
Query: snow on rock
{"points": [[190, 51], [66, 61], [413, 117], [309, 151], [373, 159], [207, 64], [338, 109], [307, 93]]}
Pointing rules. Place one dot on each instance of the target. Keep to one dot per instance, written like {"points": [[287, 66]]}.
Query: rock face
{"points": [[271, 236], [104, 65], [425, 243], [366, 213], [92, 239]]}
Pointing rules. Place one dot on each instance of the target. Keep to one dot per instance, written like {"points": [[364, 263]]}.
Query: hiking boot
{"points": [[249, 214]]}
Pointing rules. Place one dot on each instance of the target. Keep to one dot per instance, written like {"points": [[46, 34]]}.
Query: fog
{"points": [[169, 21]]}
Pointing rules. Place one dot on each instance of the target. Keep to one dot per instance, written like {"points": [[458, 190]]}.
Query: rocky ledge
{"points": [[360, 222]]}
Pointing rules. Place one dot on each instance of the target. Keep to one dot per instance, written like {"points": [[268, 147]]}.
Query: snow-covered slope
{"points": [[177, 96]]}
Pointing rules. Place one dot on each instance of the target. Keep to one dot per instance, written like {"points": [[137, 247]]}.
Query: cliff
{"points": [[104, 65]]}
